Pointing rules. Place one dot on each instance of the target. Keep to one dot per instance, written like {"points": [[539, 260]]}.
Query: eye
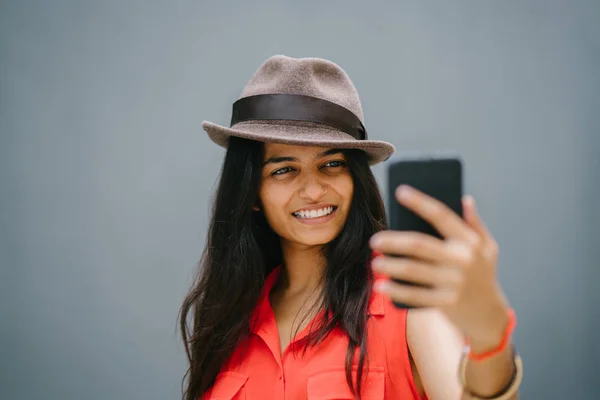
{"points": [[282, 171], [335, 163]]}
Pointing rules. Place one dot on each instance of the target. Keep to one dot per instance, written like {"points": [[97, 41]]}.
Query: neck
{"points": [[302, 268]]}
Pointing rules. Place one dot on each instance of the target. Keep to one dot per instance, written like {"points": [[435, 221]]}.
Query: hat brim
{"points": [[298, 133]]}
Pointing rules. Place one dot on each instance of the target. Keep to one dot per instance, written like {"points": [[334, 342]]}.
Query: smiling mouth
{"points": [[312, 214]]}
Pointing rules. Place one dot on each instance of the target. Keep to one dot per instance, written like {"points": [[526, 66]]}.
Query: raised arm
{"points": [[457, 284]]}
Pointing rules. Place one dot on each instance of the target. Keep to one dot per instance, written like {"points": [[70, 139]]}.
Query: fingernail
{"points": [[380, 286], [404, 192], [375, 241], [377, 262]]}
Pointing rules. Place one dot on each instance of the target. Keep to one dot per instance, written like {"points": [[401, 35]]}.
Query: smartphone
{"points": [[438, 175]]}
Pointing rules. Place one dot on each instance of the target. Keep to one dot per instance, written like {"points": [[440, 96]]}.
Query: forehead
{"points": [[291, 150]]}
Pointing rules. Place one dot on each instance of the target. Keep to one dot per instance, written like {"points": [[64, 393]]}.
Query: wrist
{"points": [[490, 372], [487, 346], [496, 323]]}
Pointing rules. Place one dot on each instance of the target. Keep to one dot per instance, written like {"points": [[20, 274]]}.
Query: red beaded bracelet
{"points": [[510, 327]]}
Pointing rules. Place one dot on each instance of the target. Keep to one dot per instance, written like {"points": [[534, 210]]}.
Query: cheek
{"points": [[345, 188], [273, 200]]}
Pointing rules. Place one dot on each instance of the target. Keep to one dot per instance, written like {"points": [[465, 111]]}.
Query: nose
{"points": [[312, 189]]}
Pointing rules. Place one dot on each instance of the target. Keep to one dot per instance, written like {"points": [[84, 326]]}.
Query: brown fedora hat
{"points": [[300, 101]]}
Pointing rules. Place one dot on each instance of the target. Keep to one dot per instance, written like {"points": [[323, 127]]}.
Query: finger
{"points": [[472, 217], [416, 296], [424, 247], [489, 246], [411, 244], [440, 216], [418, 272]]}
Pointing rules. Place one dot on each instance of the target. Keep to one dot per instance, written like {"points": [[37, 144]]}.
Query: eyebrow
{"points": [[280, 159]]}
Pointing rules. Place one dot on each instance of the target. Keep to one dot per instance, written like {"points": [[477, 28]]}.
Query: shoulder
{"points": [[387, 324], [435, 346], [381, 306], [387, 335]]}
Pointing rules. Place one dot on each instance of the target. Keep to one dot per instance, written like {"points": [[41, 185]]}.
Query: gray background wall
{"points": [[105, 174]]}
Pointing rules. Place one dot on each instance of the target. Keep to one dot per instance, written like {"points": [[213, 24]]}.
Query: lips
{"points": [[314, 212]]}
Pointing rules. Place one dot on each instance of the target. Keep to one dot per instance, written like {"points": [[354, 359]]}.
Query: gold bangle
{"points": [[507, 393]]}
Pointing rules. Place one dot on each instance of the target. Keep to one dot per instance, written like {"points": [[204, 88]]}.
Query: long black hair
{"points": [[241, 249]]}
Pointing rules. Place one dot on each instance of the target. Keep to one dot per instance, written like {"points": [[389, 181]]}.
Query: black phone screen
{"points": [[440, 178]]}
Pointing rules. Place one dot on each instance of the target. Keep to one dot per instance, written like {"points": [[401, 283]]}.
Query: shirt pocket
{"points": [[228, 386], [330, 384]]}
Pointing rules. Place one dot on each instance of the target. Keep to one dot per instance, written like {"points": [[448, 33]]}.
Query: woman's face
{"points": [[305, 192]]}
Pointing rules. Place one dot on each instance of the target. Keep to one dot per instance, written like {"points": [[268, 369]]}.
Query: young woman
{"points": [[293, 295]]}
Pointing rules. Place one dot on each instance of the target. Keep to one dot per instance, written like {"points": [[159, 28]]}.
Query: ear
{"points": [[255, 208]]}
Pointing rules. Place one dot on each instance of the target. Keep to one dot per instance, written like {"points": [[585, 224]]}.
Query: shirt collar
{"points": [[376, 305], [263, 305]]}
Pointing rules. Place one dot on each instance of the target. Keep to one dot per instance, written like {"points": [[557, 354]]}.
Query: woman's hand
{"points": [[459, 271]]}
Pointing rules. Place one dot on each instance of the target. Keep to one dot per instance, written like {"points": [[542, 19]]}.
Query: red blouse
{"points": [[258, 371]]}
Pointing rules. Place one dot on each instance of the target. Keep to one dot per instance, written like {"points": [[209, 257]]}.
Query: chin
{"points": [[316, 239]]}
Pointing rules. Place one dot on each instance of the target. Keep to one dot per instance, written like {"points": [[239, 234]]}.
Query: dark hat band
{"points": [[297, 108]]}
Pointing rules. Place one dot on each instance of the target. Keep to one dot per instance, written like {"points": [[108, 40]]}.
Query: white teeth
{"points": [[314, 213]]}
